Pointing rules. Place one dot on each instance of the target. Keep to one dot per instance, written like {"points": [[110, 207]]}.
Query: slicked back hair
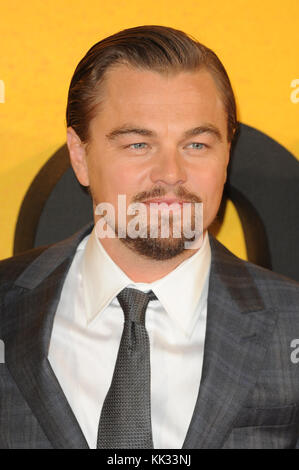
{"points": [[153, 48]]}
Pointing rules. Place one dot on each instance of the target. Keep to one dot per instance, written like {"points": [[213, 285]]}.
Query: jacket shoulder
{"points": [[278, 291], [12, 267], [227, 257]]}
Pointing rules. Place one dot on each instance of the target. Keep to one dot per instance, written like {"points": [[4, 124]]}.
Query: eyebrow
{"points": [[125, 130]]}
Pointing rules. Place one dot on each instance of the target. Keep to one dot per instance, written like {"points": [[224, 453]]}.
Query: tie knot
{"points": [[134, 303]]}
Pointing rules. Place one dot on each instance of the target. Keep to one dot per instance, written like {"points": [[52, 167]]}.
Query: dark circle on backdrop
{"points": [[263, 184]]}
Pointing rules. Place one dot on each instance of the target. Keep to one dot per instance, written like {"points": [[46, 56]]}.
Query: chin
{"points": [[158, 249]]}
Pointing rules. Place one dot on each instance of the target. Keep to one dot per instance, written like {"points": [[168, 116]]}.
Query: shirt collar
{"points": [[179, 292], [102, 278]]}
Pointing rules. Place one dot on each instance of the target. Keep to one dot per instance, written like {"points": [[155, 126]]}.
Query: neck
{"points": [[141, 268]]}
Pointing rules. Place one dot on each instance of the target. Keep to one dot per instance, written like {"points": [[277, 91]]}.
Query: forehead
{"points": [[151, 97]]}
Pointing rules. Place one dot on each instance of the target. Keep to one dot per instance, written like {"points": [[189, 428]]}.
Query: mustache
{"points": [[160, 191]]}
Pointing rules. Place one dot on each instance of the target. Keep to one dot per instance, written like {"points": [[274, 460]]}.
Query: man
{"points": [[131, 341]]}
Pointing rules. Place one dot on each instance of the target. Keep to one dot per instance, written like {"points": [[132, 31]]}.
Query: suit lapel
{"points": [[30, 308], [238, 330]]}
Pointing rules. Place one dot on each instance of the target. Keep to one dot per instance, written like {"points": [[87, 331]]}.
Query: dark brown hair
{"points": [[157, 48]]}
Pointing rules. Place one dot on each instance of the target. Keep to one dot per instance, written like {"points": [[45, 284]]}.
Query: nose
{"points": [[169, 168]]}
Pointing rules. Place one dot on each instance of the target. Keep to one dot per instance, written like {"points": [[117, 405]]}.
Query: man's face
{"points": [[158, 138]]}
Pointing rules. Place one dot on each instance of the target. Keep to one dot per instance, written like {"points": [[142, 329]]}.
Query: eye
{"points": [[196, 145], [138, 146]]}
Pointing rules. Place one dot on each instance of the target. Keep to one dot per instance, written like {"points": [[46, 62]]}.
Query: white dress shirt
{"points": [[88, 326]]}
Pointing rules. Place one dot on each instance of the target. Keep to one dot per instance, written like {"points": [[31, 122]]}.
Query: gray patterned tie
{"points": [[125, 421]]}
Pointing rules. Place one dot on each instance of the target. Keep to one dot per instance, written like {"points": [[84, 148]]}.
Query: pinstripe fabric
{"points": [[249, 391]]}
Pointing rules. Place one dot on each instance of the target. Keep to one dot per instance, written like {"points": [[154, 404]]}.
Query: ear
{"points": [[77, 156]]}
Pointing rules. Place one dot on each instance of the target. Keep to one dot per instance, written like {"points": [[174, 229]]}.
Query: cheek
{"points": [[209, 181], [128, 177], [102, 173], [109, 181]]}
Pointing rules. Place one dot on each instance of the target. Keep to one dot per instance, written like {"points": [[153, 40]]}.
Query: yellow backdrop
{"points": [[42, 42]]}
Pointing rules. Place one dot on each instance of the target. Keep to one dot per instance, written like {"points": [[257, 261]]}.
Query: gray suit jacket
{"points": [[249, 391]]}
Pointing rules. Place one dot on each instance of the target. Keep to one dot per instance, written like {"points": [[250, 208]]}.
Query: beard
{"points": [[169, 240], [159, 247], [156, 248]]}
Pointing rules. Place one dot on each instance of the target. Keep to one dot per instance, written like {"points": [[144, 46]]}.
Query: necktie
{"points": [[125, 421]]}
